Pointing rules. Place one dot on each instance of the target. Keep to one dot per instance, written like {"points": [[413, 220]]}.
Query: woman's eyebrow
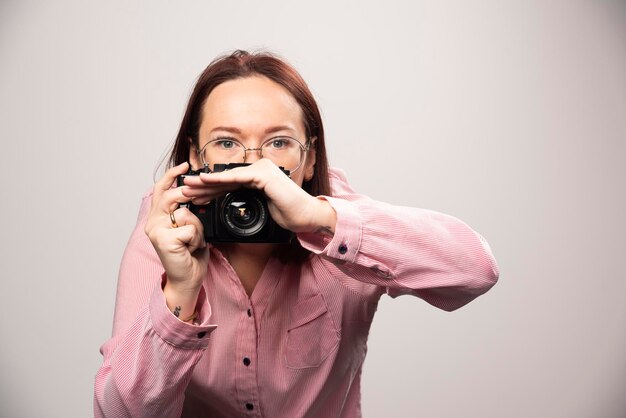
{"points": [[270, 130], [278, 128], [227, 129]]}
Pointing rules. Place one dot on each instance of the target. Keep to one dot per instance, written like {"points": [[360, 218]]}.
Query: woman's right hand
{"points": [[181, 246]]}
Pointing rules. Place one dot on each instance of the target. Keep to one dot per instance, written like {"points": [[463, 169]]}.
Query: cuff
{"points": [[176, 332], [344, 245]]}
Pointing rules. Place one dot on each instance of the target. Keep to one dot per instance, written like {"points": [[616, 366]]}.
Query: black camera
{"points": [[239, 216]]}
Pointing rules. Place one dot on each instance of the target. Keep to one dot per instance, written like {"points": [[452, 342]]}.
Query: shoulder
{"points": [[147, 194], [146, 203], [339, 182], [335, 173]]}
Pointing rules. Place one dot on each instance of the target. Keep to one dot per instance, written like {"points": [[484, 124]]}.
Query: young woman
{"points": [[267, 329]]}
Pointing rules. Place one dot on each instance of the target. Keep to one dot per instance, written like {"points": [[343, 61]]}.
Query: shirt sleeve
{"points": [[405, 250], [149, 360]]}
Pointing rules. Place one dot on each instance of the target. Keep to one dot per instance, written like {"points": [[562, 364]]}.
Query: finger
{"points": [[242, 175], [201, 201], [189, 236], [210, 192], [198, 182], [204, 199], [193, 181], [165, 182], [185, 218], [255, 175], [171, 199]]}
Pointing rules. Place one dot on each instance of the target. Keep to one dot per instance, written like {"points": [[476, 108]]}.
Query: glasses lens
{"points": [[222, 151], [284, 152]]}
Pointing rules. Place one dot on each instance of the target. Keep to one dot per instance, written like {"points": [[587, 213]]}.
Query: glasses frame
{"points": [[303, 149]]}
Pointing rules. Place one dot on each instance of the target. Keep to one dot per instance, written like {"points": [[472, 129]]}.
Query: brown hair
{"points": [[241, 64]]}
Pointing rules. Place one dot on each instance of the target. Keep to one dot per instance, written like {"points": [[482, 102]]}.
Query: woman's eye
{"points": [[226, 143], [278, 143]]}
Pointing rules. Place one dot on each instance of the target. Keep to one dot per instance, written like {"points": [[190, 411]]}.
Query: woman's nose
{"points": [[252, 155]]}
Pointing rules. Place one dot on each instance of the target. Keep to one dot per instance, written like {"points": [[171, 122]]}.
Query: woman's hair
{"points": [[242, 64]]}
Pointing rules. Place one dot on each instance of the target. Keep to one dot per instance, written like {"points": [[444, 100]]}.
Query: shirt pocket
{"points": [[311, 334]]}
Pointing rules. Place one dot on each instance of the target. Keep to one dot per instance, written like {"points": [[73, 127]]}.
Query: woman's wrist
{"points": [[181, 300], [325, 219]]}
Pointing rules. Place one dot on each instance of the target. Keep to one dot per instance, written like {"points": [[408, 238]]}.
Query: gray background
{"points": [[508, 115]]}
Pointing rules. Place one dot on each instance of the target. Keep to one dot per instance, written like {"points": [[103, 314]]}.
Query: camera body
{"points": [[239, 216]]}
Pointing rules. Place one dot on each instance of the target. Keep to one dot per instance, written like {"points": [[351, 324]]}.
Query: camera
{"points": [[238, 216]]}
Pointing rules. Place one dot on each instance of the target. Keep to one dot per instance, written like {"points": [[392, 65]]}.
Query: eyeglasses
{"points": [[284, 151]]}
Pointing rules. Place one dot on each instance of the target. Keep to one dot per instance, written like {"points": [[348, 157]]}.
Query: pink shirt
{"points": [[296, 347]]}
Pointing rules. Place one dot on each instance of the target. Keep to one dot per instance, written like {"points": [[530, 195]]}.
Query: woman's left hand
{"points": [[290, 206]]}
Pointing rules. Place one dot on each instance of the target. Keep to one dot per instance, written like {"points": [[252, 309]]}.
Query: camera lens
{"points": [[241, 214], [244, 213]]}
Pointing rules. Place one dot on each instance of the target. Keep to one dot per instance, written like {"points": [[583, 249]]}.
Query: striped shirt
{"points": [[296, 346]]}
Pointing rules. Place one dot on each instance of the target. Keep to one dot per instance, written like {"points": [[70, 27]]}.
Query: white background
{"points": [[508, 115]]}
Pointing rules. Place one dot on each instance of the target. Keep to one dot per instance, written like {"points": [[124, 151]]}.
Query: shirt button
{"points": [[249, 312], [246, 361], [343, 249], [249, 406], [201, 334]]}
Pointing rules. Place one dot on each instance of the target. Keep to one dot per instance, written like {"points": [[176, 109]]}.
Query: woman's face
{"points": [[253, 110]]}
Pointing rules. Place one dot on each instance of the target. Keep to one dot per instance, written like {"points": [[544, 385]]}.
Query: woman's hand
{"points": [[290, 206], [180, 246]]}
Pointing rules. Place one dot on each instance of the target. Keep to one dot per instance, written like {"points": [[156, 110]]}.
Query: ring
{"points": [[174, 224]]}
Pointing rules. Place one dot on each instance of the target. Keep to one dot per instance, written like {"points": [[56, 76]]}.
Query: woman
{"points": [[270, 329]]}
